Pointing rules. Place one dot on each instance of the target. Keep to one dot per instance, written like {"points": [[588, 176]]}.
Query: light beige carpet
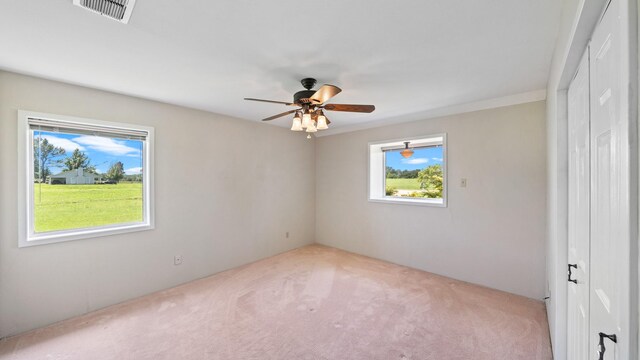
{"points": [[312, 303]]}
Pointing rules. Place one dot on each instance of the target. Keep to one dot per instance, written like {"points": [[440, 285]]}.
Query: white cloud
{"points": [[416, 161], [437, 159], [66, 144], [133, 171], [106, 145]]}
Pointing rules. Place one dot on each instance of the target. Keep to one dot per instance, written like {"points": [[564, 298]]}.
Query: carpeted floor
{"points": [[312, 303]]}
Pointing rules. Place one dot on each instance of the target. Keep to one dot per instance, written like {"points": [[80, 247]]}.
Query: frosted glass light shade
{"points": [[312, 127], [322, 122], [406, 153], [297, 124], [306, 121]]}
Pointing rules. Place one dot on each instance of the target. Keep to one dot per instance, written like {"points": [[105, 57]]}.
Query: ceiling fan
{"points": [[310, 104]]}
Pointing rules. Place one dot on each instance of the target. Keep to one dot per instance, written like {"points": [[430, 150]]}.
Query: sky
{"points": [[421, 158], [102, 151]]}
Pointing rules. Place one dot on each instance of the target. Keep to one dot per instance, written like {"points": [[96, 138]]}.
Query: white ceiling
{"points": [[405, 57]]}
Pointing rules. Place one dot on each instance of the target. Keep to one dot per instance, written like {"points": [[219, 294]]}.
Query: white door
{"points": [[578, 259], [610, 186]]}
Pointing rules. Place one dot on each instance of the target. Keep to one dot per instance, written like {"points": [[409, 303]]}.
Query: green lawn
{"points": [[403, 184], [60, 207]]}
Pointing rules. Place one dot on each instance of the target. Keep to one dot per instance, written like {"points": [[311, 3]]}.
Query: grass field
{"points": [[60, 207], [404, 184]]}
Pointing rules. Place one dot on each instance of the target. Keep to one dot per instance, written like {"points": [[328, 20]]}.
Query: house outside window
{"points": [[82, 178], [409, 171]]}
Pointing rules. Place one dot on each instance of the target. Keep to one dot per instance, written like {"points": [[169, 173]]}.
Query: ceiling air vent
{"points": [[119, 10]]}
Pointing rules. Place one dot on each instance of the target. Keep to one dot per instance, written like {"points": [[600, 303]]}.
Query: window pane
{"points": [[85, 181], [418, 176]]}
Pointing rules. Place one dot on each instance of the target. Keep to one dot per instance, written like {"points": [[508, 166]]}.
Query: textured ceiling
{"points": [[406, 57]]}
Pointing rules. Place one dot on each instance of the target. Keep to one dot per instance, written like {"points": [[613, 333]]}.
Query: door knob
{"points": [[601, 347], [575, 266]]}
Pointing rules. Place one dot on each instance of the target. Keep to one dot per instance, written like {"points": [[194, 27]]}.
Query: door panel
{"points": [[579, 187], [610, 235]]}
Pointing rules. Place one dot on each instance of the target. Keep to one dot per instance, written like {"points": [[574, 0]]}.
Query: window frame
{"points": [[377, 172], [26, 233]]}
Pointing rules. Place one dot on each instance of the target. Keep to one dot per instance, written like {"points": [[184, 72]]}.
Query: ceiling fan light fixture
{"points": [[312, 127], [322, 122], [306, 120], [406, 153], [297, 123], [310, 104]]}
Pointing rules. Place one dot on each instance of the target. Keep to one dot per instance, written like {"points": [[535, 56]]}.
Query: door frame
{"points": [[582, 264]]}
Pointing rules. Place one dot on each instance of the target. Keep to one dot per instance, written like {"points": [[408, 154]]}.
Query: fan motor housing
{"points": [[302, 97]]}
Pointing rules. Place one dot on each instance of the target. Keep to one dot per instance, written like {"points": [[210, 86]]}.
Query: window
{"points": [[409, 171], [82, 178]]}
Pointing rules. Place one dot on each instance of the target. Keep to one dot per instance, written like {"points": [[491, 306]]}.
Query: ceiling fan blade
{"points": [[280, 115], [350, 108], [271, 101], [325, 93]]}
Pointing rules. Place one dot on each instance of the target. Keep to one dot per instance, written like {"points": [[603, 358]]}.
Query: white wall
{"points": [[492, 232], [253, 182]]}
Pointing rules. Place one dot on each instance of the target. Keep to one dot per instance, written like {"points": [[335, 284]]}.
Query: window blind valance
{"points": [[86, 129]]}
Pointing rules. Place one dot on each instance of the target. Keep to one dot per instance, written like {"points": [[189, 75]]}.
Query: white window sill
{"points": [[79, 234], [410, 201]]}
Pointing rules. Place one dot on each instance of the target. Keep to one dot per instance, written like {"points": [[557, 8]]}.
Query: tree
{"points": [[45, 154], [116, 172], [430, 179], [392, 173], [79, 160]]}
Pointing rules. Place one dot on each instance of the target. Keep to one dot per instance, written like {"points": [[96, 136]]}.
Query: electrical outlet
{"points": [[463, 182], [177, 260], [287, 235]]}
